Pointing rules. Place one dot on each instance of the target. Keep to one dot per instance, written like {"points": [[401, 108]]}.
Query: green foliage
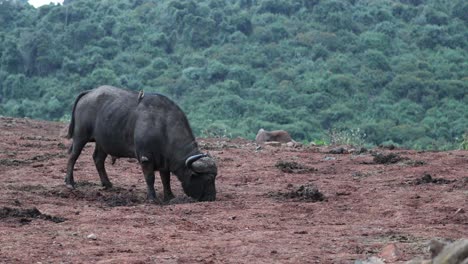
{"points": [[352, 137], [371, 72], [464, 143]]}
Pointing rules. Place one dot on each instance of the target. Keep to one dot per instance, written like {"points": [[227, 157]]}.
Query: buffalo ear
{"points": [[205, 165]]}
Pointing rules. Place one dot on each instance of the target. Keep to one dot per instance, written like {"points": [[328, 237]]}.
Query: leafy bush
{"points": [[395, 70], [352, 137]]}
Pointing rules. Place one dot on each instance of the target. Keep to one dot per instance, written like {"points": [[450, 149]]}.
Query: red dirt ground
{"points": [[367, 205]]}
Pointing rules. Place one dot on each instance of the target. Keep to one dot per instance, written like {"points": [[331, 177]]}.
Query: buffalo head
{"points": [[200, 184]]}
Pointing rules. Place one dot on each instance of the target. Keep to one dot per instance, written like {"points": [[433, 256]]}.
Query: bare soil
{"points": [[267, 209]]}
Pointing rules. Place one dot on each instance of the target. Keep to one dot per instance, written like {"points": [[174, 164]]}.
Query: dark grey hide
{"points": [[152, 129]]}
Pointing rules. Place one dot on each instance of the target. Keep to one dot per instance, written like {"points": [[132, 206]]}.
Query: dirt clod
{"points": [[360, 150], [388, 146]]}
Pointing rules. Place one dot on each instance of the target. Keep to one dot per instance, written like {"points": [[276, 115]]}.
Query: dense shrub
{"points": [[395, 70]]}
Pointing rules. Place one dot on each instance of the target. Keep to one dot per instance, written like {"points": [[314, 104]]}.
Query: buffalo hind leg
{"points": [[148, 171], [99, 157], [76, 148], [166, 182]]}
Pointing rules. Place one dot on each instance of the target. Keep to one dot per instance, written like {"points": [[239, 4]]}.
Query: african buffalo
{"points": [[152, 129]]}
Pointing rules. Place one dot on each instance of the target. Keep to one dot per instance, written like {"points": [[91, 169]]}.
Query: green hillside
{"points": [[373, 71]]}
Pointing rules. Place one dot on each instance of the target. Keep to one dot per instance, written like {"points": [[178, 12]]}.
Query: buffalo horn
{"points": [[205, 165], [192, 159]]}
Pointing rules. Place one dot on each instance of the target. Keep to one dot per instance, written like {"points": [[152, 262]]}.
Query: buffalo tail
{"points": [[72, 122]]}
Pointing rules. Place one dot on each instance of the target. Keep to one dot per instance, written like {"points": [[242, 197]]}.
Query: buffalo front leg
{"points": [[148, 172], [75, 151], [166, 182], [99, 157]]}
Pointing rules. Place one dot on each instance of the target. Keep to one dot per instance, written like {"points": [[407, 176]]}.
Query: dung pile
{"points": [[390, 158], [120, 199], [307, 193], [292, 167], [427, 178], [25, 215]]}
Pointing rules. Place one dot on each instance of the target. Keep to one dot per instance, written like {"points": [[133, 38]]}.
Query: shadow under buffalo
{"points": [[114, 197]]}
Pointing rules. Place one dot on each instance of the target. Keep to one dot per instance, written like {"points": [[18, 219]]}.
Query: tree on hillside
{"points": [[393, 69]]}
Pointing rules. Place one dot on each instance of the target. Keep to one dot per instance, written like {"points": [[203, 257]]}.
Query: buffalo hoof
{"points": [[70, 186], [168, 197], [153, 199], [107, 186]]}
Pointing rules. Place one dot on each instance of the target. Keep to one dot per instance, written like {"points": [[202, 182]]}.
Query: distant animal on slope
{"points": [[276, 135], [150, 128]]}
